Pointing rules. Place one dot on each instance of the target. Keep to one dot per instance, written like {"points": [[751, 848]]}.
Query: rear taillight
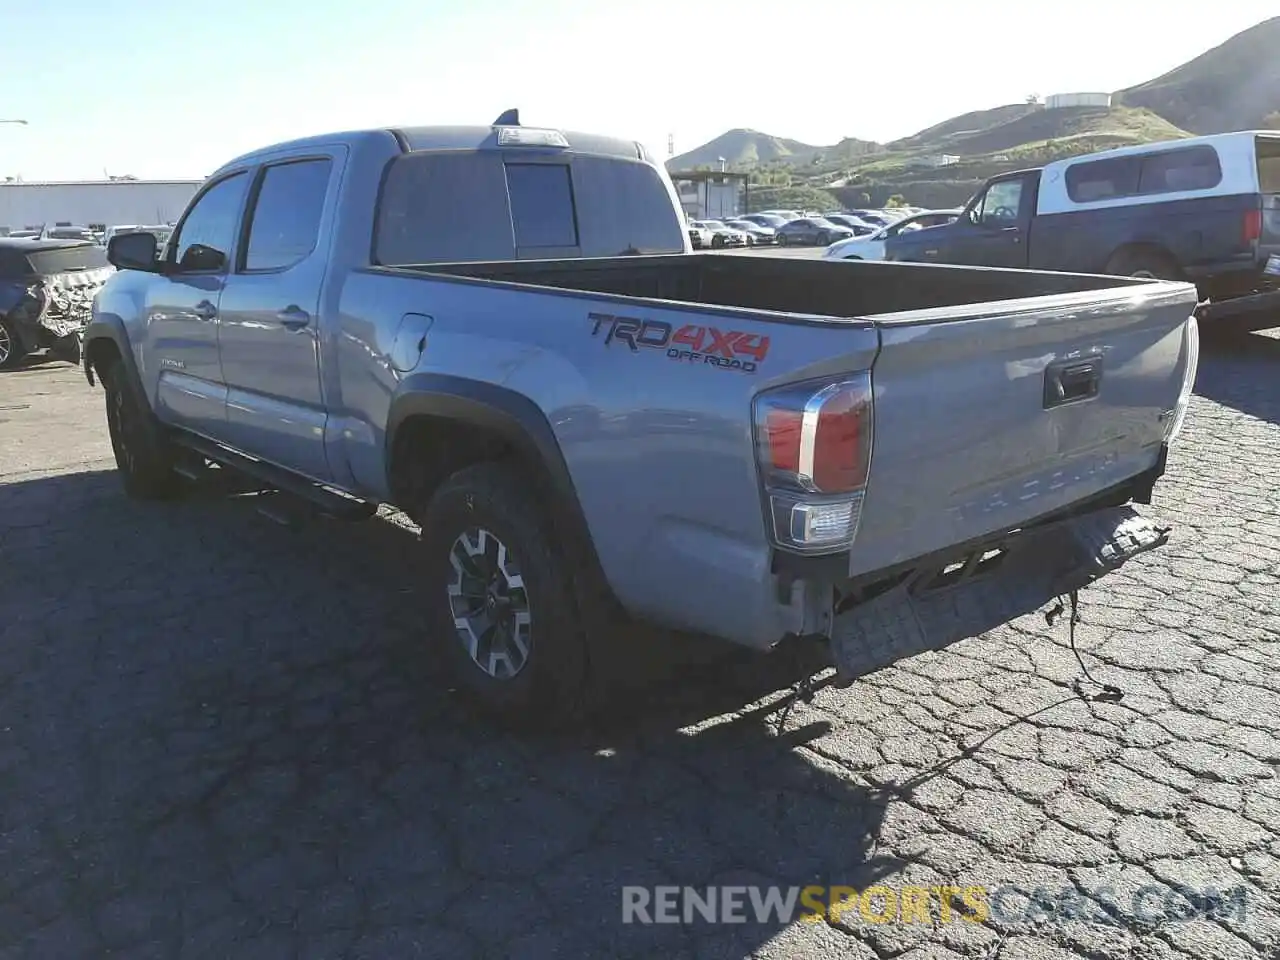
{"points": [[813, 445], [1191, 350], [1252, 228]]}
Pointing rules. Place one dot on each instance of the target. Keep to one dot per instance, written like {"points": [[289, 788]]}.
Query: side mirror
{"points": [[132, 251], [199, 258]]}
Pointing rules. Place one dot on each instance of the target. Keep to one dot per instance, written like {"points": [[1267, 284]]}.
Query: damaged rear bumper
{"points": [[934, 607]]}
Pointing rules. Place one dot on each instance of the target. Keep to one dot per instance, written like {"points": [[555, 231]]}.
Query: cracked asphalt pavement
{"points": [[220, 737]]}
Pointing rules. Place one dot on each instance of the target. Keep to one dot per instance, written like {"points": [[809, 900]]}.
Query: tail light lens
{"points": [[1191, 344], [813, 445], [1252, 230]]}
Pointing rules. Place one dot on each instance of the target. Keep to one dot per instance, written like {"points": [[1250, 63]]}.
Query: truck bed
{"points": [[808, 290]]}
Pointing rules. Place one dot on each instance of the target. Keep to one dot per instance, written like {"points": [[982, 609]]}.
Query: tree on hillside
{"points": [[897, 200], [864, 199]]}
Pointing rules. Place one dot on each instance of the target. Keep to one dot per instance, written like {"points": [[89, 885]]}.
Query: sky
{"points": [[166, 89]]}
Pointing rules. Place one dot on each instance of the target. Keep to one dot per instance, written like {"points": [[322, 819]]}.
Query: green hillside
{"points": [[743, 149], [1234, 86]]}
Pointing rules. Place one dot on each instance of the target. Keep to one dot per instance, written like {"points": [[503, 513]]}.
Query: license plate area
{"points": [[940, 605], [1272, 268]]}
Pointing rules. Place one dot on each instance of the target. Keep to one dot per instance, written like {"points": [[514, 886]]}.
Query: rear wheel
{"points": [[11, 349], [143, 457], [782, 239], [1148, 264], [500, 598]]}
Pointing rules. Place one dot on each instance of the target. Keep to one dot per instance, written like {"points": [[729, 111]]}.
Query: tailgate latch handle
{"points": [[1070, 381]]}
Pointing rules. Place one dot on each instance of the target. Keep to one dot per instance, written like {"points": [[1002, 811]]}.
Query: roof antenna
{"points": [[509, 118]]}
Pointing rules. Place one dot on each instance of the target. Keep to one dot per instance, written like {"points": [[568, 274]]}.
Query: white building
{"points": [[1053, 101], [92, 203], [707, 195]]}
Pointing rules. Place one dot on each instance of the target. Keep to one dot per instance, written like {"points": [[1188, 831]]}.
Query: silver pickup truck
{"points": [[502, 331]]}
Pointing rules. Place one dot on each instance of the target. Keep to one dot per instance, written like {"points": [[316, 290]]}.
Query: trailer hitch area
{"points": [[937, 606]]}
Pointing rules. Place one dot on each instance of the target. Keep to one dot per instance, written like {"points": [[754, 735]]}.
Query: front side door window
{"points": [[1000, 207], [203, 241]]}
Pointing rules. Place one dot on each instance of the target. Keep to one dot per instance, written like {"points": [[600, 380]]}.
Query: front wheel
{"points": [[143, 457], [11, 349], [782, 239], [500, 600]]}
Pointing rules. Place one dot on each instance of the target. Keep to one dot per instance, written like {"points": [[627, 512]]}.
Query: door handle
{"points": [[205, 310], [293, 317]]}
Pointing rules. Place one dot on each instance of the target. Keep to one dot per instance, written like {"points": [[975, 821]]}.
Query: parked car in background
{"points": [[591, 423], [811, 231], [756, 234], [71, 233], [875, 217], [723, 235], [871, 247], [1202, 209], [699, 236], [46, 292], [787, 215], [859, 227], [161, 231], [771, 220]]}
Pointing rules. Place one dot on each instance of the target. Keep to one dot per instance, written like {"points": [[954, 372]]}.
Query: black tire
{"points": [[143, 457], [717, 242], [12, 352], [491, 505], [782, 239], [1143, 263]]}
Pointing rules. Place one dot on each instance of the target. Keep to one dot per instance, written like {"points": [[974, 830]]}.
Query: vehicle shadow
{"points": [[1241, 371], [226, 737]]}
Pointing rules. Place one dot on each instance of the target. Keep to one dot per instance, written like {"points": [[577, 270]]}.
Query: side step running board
{"points": [[328, 502]]}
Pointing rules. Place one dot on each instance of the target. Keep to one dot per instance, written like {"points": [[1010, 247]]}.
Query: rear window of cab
{"points": [[454, 206]]}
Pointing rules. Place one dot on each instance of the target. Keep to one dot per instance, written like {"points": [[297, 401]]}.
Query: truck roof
{"points": [[413, 139]]}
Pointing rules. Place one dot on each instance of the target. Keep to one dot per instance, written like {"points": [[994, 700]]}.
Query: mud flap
{"points": [[941, 605]]}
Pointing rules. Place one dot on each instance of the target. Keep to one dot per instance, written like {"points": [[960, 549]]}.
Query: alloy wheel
{"points": [[489, 604], [6, 345]]}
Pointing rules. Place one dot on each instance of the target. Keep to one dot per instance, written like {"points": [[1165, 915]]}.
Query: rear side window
{"points": [[542, 205], [1169, 171], [1107, 179], [1194, 168], [285, 220], [441, 207]]}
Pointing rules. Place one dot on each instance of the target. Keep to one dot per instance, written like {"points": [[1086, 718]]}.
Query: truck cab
{"points": [[992, 230]]}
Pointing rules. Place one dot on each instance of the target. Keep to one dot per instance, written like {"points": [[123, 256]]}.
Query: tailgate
{"points": [[987, 421]]}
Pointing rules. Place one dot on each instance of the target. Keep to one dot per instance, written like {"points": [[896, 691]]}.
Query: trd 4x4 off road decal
{"points": [[724, 350]]}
